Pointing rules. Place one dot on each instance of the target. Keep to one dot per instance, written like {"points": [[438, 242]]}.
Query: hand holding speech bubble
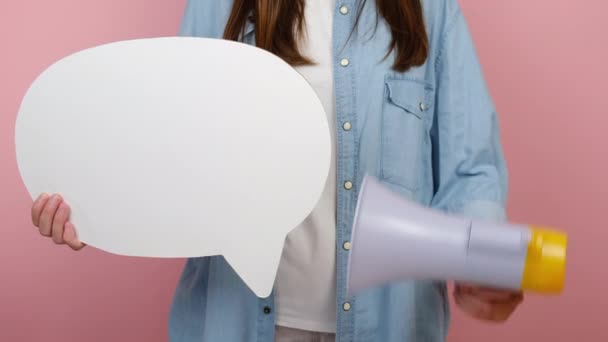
{"points": [[178, 147]]}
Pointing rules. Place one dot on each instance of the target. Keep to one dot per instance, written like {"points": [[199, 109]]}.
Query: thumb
{"points": [[70, 237]]}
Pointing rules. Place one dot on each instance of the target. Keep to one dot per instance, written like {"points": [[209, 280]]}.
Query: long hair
{"points": [[279, 25]]}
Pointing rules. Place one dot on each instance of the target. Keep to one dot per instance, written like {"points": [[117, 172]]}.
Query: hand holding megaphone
{"points": [[394, 239]]}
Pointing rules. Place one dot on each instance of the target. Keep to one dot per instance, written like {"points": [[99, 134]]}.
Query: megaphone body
{"points": [[394, 239]]}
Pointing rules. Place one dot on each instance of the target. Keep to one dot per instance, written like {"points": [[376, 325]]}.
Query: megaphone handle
{"points": [[496, 254]]}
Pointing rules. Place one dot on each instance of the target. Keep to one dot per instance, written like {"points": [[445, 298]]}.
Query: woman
{"points": [[404, 91]]}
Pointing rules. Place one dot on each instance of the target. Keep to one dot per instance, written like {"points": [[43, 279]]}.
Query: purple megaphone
{"points": [[394, 239]]}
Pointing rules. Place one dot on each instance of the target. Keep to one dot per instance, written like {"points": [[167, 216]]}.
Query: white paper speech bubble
{"points": [[178, 147]]}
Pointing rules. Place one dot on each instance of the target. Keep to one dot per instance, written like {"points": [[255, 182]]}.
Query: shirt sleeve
{"points": [[187, 26], [469, 167], [204, 18]]}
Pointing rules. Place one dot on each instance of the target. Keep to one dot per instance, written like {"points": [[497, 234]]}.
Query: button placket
{"points": [[346, 118]]}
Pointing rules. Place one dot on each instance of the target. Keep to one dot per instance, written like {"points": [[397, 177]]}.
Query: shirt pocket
{"points": [[407, 103]]}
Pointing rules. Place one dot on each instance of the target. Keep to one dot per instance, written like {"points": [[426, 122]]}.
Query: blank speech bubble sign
{"points": [[178, 147]]}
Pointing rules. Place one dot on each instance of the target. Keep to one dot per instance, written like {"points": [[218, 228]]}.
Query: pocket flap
{"points": [[415, 97]]}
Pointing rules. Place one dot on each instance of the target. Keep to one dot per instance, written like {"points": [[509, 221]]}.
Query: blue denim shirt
{"points": [[430, 133]]}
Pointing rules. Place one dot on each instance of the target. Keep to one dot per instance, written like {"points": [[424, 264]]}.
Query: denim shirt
{"points": [[430, 133]]}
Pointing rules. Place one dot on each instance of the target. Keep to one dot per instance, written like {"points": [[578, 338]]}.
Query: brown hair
{"points": [[279, 24]]}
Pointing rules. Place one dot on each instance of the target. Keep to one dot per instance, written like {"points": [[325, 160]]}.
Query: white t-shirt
{"points": [[305, 288]]}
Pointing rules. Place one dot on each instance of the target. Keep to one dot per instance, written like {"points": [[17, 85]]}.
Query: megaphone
{"points": [[395, 239]]}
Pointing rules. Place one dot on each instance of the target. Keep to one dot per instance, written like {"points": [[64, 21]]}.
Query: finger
{"points": [[490, 294], [471, 305], [70, 238], [37, 208], [48, 214], [484, 310], [496, 296], [59, 221]]}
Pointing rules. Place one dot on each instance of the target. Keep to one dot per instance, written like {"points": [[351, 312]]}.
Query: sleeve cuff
{"points": [[484, 210]]}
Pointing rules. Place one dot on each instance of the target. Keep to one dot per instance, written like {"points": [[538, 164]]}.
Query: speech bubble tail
{"points": [[257, 266]]}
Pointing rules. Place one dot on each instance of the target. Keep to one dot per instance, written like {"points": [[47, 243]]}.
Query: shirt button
{"points": [[344, 10], [347, 246], [347, 126], [267, 310], [422, 106], [348, 185], [344, 62], [346, 306]]}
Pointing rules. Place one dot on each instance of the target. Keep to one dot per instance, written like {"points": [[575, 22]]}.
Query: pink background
{"points": [[545, 63]]}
